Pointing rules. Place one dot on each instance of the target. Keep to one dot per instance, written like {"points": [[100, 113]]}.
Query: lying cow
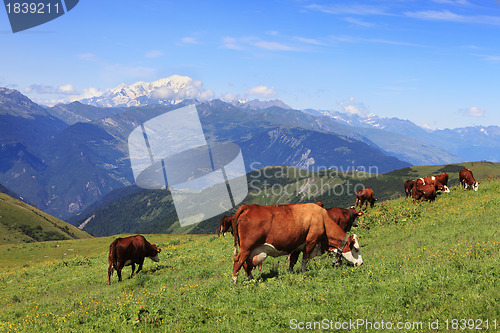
{"points": [[225, 225], [408, 187], [467, 179], [263, 231], [423, 192], [365, 195], [130, 251], [432, 180]]}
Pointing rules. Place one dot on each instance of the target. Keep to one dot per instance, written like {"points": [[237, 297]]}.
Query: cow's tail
{"points": [[234, 223], [112, 255]]}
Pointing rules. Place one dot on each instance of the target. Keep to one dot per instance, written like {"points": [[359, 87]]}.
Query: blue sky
{"points": [[435, 62]]}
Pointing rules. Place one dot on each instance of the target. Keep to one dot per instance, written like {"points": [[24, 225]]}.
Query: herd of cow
{"points": [[289, 229]]}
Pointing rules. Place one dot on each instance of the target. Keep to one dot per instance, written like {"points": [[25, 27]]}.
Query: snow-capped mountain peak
{"points": [[171, 90]]}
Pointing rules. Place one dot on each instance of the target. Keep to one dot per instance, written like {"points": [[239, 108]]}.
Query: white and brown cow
{"points": [[467, 179], [263, 231], [433, 180]]}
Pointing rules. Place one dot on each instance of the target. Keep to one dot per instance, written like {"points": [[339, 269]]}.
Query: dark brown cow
{"points": [[263, 231], [408, 187], [432, 180], [423, 192], [130, 251], [365, 195], [467, 179], [226, 223]]}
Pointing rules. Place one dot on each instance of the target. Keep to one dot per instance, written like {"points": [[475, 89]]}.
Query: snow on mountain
{"points": [[170, 90]]}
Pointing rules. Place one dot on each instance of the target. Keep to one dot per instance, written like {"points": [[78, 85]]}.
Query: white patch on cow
{"points": [[423, 181], [356, 243], [446, 189], [260, 253], [235, 278], [128, 263], [155, 258], [433, 178], [353, 257], [476, 186]]}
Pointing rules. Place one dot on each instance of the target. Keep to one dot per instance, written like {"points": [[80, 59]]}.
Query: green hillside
{"points": [[424, 264], [152, 211], [22, 223]]}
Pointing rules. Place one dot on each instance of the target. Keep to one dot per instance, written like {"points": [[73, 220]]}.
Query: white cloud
{"points": [[87, 56], [190, 40], [446, 15], [473, 111], [350, 9], [231, 43], [154, 54], [67, 89], [359, 22], [261, 91], [353, 107], [273, 46]]}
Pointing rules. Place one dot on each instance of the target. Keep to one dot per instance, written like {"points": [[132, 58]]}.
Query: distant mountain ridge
{"points": [[169, 91]]}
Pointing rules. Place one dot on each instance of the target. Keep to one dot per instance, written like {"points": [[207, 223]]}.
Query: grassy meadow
{"points": [[423, 264]]}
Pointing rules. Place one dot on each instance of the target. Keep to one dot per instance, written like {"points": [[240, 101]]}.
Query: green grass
{"points": [[22, 223], [423, 262]]}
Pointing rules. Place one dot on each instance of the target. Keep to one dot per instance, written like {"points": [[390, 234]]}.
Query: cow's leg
{"points": [[238, 262], [249, 268], [140, 263], [119, 271], [310, 245], [292, 260], [133, 269]]}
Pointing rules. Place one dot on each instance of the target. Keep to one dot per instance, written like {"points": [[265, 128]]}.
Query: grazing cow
{"points": [[263, 231], [425, 192], [365, 195], [442, 178], [130, 251], [467, 179], [432, 180], [408, 187], [345, 218], [226, 223]]}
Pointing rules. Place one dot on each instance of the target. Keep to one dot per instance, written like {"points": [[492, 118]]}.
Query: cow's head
{"points": [[155, 250], [352, 251], [475, 186], [356, 215]]}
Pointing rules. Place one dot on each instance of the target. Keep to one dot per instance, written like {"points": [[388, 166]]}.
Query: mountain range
{"points": [[64, 158]]}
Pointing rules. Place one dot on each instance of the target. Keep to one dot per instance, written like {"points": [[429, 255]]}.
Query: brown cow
{"points": [[226, 223], [408, 187], [345, 218], [425, 192], [365, 195], [280, 230], [467, 179], [442, 178], [130, 251], [432, 180]]}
